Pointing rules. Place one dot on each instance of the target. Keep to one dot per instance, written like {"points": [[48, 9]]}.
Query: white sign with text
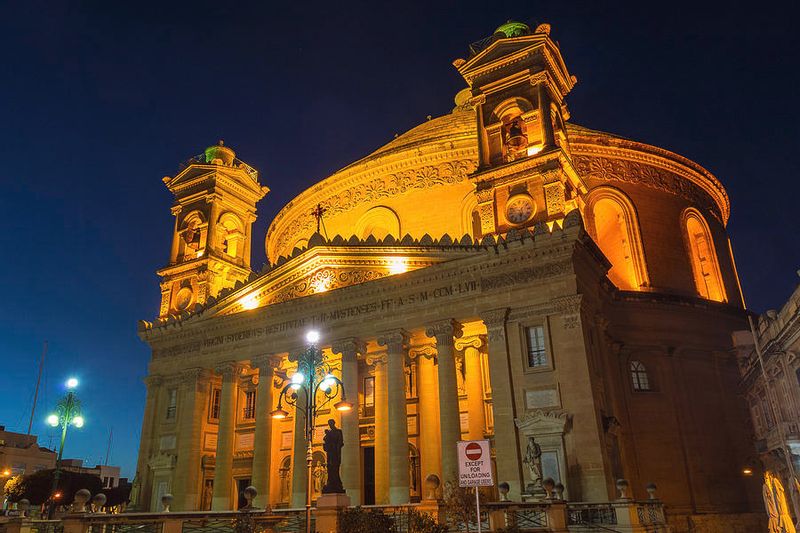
{"points": [[474, 463]]}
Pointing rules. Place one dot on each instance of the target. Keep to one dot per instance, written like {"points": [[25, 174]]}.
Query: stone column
{"points": [[223, 467], [506, 440], [430, 450], [351, 453], [381, 428], [473, 380], [396, 346], [194, 396], [143, 478], [449, 420], [548, 136], [262, 446], [299, 466]]}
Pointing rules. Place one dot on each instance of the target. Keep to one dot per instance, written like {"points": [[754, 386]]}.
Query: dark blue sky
{"points": [[102, 99]]}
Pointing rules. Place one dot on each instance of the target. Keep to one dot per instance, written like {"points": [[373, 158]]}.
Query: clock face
{"points": [[519, 209], [183, 298]]}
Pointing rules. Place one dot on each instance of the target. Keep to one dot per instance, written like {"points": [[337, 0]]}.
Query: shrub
{"points": [[357, 520], [423, 523]]}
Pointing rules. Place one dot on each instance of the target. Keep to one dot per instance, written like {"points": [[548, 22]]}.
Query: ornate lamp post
{"points": [[68, 412], [310, 388]]}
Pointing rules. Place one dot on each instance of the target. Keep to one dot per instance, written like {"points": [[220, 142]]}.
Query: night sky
{"points": [[102, 99]]}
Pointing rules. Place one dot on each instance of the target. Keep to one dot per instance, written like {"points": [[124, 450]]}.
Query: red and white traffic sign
{"points": [[474, 463]]}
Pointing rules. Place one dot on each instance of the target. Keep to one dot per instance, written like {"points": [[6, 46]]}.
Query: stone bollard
{"points": [[166, 501], [98, 502]]}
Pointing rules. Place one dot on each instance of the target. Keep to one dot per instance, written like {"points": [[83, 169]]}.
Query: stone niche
{"points": [[547, 427]]}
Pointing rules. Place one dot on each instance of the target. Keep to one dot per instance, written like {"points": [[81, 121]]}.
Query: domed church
{"points": [[496, 273]]}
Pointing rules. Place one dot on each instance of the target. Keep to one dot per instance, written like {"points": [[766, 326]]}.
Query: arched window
{"points": [[231, 235], [616, 231], [703, 256], [192, 237], [514, 135], [379, 222], [639, 377]]}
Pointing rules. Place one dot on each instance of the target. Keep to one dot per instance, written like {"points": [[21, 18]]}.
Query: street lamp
{"points": [[67, 413], [319, 387]]}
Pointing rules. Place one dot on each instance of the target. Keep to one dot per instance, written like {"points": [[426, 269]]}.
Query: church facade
{"points": [[498, 272]]}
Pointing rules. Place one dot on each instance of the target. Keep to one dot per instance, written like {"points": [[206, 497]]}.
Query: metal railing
{"points": [[200, 159], [579, 514]]}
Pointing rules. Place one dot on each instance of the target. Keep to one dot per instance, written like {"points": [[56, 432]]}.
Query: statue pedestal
{"points": [[328, 507]]}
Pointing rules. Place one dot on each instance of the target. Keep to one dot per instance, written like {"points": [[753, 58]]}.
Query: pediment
{"points": [[541, 422], [500, 49]]}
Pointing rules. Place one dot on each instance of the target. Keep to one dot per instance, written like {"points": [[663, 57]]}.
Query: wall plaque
{"points": [[286, 440], [539, 398], [167, 442], [244, 441], [210, 441]]}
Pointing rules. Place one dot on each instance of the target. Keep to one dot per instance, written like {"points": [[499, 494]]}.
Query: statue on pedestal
{"points": [[332, 443], [533, 461]]}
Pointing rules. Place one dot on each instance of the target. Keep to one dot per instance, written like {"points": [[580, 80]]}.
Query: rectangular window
{"points": [[250, 405], [537, 351], [214, 408], [172, 403], [369, 396]]}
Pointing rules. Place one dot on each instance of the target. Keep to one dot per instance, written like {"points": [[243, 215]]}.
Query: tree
{"points": [[117, 495], [36, 487]]}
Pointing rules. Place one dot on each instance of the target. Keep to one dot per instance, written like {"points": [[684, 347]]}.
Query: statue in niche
{"points": [[533, 461], [332, 443]]}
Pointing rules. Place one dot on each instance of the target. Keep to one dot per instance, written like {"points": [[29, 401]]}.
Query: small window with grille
{"points": [[250, 405], [537, 346], [639, 377]]}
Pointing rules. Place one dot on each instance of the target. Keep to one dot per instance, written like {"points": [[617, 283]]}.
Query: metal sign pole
{"points": [[478, 508]]}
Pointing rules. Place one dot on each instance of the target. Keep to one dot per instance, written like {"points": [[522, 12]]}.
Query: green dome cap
{"points": [[513, 28]]}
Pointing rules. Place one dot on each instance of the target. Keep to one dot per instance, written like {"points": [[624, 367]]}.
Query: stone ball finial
{"points": [[549, 486], [559, 491], [503, 489], [250, 494], [166, 501], [622, 487], [651, 491], [79, 503], [432, 483], [23, 505], [98, 502]]}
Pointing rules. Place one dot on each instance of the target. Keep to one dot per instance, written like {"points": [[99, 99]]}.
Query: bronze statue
{"points": [[332, 444]]}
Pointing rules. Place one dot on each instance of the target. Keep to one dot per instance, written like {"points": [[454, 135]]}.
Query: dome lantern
{"points": [[512, 28], [219, 154]]}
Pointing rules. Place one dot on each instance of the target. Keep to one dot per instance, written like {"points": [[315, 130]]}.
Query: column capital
{"points": [[153, 381], [427, 350], [349, 347], [495, 318], [227, 369], [473, 341], [192, 376], [395, 340], [444, 331], [376, 359], [265, 362]]}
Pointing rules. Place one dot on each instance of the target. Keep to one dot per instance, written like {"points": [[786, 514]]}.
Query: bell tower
{"points": [[518, 81], [215, 207]]}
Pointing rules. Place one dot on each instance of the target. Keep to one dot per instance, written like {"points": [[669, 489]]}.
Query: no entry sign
{"points": [[474, 463]]}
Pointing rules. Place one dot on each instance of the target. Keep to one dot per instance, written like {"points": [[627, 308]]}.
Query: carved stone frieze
{"points": [[543, 422], [614, 169], [526, 275], [567, 304], [380, 187], [325, 279]]}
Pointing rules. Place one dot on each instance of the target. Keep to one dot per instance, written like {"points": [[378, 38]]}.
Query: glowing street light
{"points": [[311, 387], [68, 412]]}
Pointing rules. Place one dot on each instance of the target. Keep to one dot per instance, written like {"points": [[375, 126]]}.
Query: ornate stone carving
{"points": [[526, 275], [554, 198], [607, 168], [381, 187], [325, 279], [444, 331], [540, 422], [265, 363], [473, 341], [567, 304], [375, 359], [227, 369], [350, 348], [423, 350], [394, 340]]}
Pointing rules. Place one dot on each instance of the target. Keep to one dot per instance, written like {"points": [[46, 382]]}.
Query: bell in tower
{"points": [[518, 82], [215, 207]]}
